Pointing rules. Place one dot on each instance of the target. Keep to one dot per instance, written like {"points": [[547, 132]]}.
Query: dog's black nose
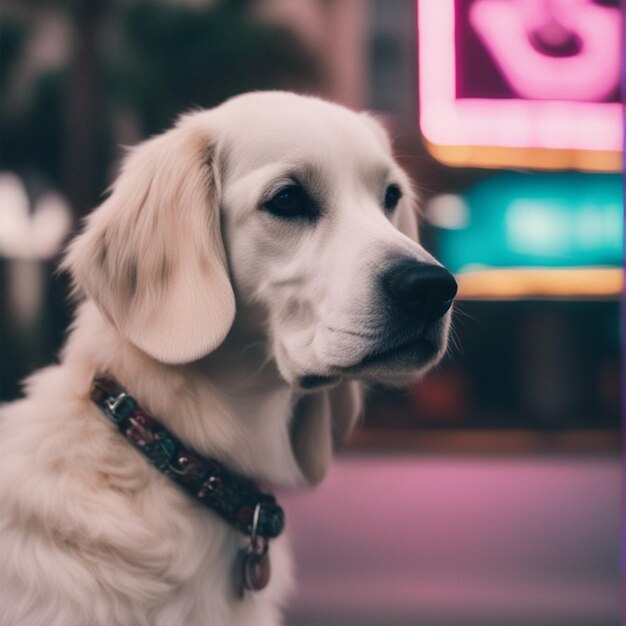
{"points": [[425, 289]]}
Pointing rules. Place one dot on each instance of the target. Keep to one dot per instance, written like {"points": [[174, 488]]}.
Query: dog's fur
{"points": [[215, 314]]}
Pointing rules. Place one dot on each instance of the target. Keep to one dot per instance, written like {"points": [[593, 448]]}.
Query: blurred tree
{"points": [[12, 32], [152, 59], [176, 57], [84, 106]]}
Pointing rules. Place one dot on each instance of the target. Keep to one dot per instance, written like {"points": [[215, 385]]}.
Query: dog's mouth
{"points": [[385, 359], [311, 382], [413, 352]]}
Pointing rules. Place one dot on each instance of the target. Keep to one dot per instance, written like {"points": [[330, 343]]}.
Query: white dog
{"points": [[249, 267]]}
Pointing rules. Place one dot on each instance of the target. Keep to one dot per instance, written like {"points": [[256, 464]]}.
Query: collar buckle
{"points": [[120, 407]]}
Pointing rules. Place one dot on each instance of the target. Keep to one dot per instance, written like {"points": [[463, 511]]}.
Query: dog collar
{"points": [[235, 498]]}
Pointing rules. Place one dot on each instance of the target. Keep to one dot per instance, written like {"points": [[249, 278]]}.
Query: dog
{"points": [[252, 269]]}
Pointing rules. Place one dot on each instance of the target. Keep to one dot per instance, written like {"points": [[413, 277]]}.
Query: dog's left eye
{"points": [[392, 197], [291, 201]]}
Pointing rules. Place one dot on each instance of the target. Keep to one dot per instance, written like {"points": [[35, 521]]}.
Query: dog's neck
{"points": [[231, 405]]}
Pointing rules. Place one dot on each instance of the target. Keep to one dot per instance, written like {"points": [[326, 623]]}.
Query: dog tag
{"points": [[256, 571], [252, 571]]}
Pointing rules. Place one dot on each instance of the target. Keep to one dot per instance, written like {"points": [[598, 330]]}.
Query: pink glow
{"points": [[590, 75], [441, 539], [516, 123]]}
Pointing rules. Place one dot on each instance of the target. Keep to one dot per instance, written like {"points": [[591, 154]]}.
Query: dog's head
{"points": [[321, 235], [287, 214]]}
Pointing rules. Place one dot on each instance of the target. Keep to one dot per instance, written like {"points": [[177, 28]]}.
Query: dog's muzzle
{"points": [[415, 299]]}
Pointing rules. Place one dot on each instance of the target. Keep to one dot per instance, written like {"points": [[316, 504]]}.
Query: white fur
{"points": [[90, 533]]}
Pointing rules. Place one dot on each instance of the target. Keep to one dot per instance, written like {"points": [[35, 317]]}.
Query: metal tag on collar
{"points": [[252, 568]]}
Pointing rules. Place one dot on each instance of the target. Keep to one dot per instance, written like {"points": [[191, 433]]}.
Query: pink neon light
{"points": [[522, 123], [590, 75]]}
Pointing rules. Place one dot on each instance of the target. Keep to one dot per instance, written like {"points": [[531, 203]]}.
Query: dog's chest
{"points": [[202, 572], [135, 551]]}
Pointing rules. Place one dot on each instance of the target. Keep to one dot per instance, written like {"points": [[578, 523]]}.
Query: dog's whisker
{"points": [[459, 312]]}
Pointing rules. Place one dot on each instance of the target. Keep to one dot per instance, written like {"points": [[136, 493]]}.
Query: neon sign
{"points": [[556, 220], [521, 82]]}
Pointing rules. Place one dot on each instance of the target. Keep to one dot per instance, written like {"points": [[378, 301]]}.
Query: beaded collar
{"points": [[235, 498]]}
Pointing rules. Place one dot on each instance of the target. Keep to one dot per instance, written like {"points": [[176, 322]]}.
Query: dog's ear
{"points": [[152, 257], [321, 422]]}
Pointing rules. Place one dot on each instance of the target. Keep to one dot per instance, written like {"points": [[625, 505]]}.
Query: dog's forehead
{"points": [[265, 127]]}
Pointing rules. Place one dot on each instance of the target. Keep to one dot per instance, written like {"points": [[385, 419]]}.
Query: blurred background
{"points": [[489, 493]]}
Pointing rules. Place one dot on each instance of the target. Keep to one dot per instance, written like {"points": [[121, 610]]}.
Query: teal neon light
{"points": [[539, 220]]}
